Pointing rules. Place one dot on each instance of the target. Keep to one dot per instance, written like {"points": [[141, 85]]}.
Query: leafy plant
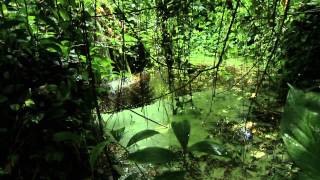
{"points": [[158, 156], [301, 48], [300, 131], [46, 97], [182, 132], [96, 152]]}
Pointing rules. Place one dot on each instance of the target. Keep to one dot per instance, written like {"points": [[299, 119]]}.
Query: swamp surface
{"points": [[254, 145]]}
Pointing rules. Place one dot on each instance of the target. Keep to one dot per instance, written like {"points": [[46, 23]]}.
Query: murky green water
{"points": [[227, 106], [220, 118]]}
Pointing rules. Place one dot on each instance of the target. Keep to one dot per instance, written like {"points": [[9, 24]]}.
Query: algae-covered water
{"points": [[205, 111], [254, 145]]}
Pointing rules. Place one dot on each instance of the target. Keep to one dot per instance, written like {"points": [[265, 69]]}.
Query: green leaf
{"points": [[176, 175], [118, 133], [4, 10], [29, 102], [64, 14], [141, 135], [31, 19], [300, 126], [67, 136], [95, 153], [130, 40], [208, 147], [50, 22], [50, 44], [3, 99], [63, 2], [182, 131], [154, 155]]}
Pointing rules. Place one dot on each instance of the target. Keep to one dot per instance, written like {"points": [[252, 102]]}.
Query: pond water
{"points": [[228, 106], [203, 113], [220, 118]]}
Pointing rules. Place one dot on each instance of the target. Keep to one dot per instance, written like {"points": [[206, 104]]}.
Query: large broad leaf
{"points": [[141, 135], [154, 155], [182, 131], [176, 175], [4, 10], [208, 147], [300, 127], [95, 153]]}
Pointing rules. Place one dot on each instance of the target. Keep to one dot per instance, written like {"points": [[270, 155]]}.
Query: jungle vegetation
{"points": [[159, 89]]}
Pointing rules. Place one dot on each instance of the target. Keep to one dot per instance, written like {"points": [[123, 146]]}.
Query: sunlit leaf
{"points": [[300, 126], [130, 39], [95, 153], [141, 135], [208, 147], [258, 154], [182, 131], [29, 102], [154, 155], [176, 175], [64, 14], [4, 10], [31, 19], [61, 2]]}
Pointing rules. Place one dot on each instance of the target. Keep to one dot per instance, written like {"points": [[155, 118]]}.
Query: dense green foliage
{"points": [[46, 99], [301, 48], [216, 72]]}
